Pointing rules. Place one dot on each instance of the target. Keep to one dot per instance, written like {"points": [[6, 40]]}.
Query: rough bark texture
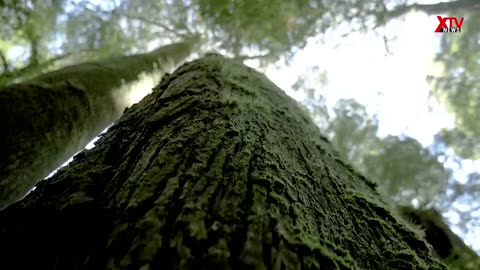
{"points": [[48, 119], [446, 244], [216, 169]]}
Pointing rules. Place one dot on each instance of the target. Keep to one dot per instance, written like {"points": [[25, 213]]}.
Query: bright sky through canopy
{"points": [[393, 86]]}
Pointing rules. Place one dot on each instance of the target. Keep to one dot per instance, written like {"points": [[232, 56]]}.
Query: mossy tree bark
{"points": [[216, 169], [48, 119]]}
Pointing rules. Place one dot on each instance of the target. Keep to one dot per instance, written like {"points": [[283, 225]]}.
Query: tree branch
{"points": [[4, 62], [252, 57], [143, 19], [161, 25], [470, 6], [33, 50]]}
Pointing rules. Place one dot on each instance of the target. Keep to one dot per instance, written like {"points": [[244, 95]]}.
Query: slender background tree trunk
{"points": [[445, 243], [48, 119], [216, 169]]}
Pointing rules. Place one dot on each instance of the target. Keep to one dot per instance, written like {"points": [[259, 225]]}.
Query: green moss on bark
{"points": [[219, 169]]}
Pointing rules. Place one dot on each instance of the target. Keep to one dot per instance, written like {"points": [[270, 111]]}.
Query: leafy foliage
{"points": [[468, 194], [408, 172], [74, 29], [459, 89], [28, 24]]}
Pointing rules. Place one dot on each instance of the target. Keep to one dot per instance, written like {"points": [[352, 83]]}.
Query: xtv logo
{"points": [[443, 27]]}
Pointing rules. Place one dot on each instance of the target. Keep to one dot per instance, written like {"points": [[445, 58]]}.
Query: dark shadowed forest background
{"points": [[398, 101]]}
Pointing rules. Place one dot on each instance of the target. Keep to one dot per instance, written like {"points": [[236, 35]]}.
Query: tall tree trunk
{"points": [[216, 169], [49, 118]]}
